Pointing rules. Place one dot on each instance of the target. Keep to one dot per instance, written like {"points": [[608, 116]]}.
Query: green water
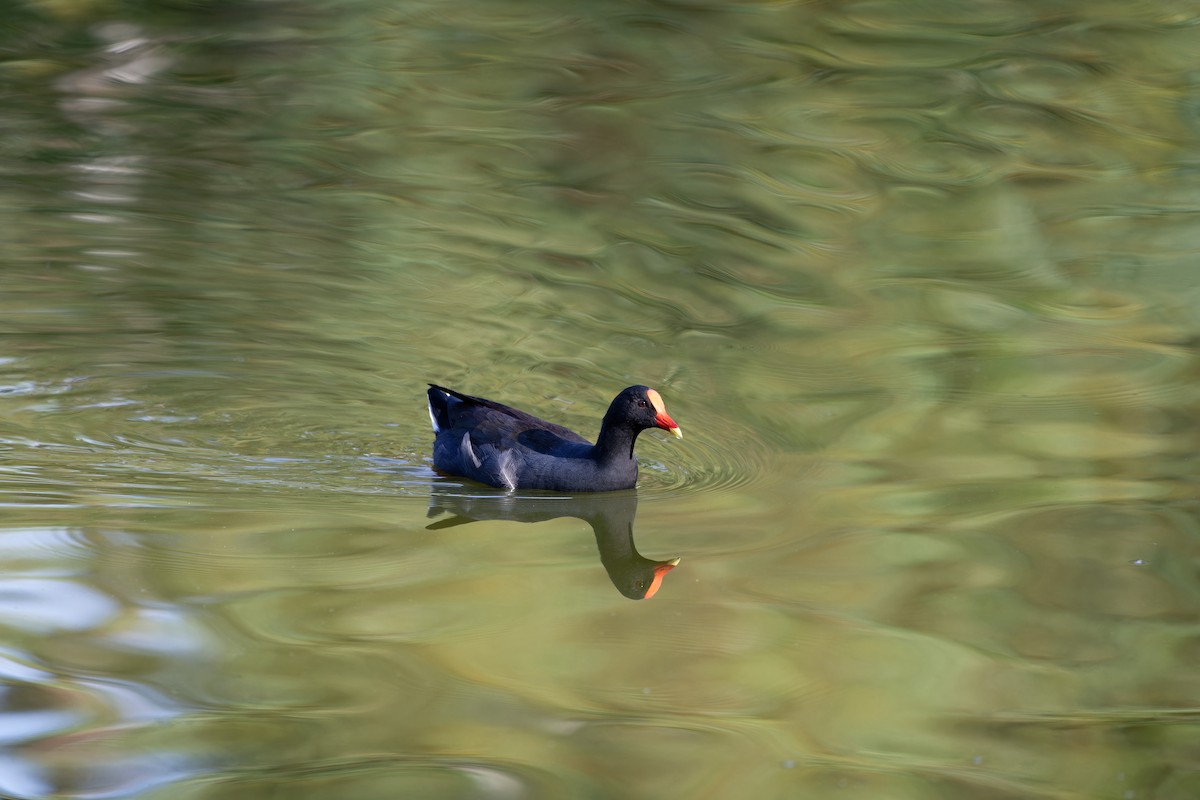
{"points": [[918, 282]]}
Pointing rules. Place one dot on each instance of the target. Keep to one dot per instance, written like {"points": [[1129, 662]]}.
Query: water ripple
{"points": [[708, 459]]}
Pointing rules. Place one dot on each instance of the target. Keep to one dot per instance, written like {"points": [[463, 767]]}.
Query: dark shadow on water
{"points": [[610, 514]]}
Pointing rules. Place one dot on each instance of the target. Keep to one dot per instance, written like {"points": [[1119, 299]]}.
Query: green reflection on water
{"points": [[918, 282]]}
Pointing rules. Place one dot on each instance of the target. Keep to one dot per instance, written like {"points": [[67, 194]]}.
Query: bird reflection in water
{"points": [[609, 513]]}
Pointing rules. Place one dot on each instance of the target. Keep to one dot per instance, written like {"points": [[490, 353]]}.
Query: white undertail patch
{"points": [[433, 419]]}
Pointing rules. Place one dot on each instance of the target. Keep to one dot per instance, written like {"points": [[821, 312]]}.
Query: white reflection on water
{"points": [[20, 726], [12, 668], [43, 605], [74, 729], [22, 778]]}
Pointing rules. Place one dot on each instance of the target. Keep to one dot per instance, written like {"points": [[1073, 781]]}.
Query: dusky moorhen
{"points": [[494, 444]]}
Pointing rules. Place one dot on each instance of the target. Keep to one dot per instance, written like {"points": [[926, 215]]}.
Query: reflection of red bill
{"points": [[662, 419], [659, 571]]}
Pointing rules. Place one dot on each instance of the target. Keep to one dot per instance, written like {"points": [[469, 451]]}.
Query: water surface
{"points": [[917, 283]]}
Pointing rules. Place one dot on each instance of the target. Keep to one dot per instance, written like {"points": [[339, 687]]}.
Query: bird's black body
{"points": [[504, 447]]}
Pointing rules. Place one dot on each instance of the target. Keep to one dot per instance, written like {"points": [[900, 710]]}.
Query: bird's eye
{"points": [[641, 403]]}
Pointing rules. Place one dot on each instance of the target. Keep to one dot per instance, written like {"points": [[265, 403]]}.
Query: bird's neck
{"points": [[615, 442]]}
